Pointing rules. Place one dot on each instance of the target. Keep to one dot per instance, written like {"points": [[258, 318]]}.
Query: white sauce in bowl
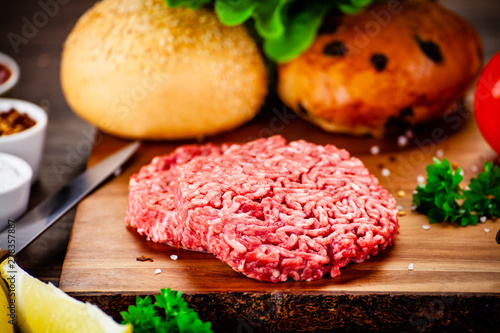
{"points": [[15, 182], [9, 176]]}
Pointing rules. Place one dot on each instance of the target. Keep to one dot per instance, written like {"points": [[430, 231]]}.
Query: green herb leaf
{"points": [[483, 193], [170, 313], [442, 198]]}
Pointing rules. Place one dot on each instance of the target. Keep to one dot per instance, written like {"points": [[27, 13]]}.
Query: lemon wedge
{"points": [[5, 319], [42, 307]]}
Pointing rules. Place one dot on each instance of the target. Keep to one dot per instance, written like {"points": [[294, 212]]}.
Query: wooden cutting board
{"points": [[456, 270]]}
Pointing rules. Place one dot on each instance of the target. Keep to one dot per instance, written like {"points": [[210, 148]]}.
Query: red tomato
{"points": [[487, 102]]}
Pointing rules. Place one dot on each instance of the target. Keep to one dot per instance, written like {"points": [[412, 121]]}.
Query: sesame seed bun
{"points": [[138, 69]]}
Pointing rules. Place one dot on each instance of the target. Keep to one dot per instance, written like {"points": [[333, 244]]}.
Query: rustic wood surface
{"points": [[452, 265], [68, 136], [69, 139], [102, 252]]}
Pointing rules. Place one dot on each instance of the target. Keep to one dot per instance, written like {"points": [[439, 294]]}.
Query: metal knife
{"points": [[26, 229]]}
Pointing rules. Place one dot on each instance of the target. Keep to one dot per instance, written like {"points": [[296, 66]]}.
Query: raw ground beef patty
{"points": [[269, 209]]}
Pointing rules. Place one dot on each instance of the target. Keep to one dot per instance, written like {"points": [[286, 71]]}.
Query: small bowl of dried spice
{"points": [[23, 126], [9, 74]]}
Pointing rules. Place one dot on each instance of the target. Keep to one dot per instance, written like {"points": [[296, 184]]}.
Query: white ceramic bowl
{"points": [[7, 86], [15, 184], [27, 144]]}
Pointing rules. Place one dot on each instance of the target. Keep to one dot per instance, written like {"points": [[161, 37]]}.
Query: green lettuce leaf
{"points": [[287, 27], [193, 4], [301, 21], [267, 15]]}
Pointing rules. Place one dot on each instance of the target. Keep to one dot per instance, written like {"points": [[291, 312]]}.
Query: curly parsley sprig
{"points": [[442, 198], [173, 315]]}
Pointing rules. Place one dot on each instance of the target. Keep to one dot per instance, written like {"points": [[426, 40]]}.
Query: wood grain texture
{"points": [[39, 60], [446, 259], [40, 84], [454, 284]]}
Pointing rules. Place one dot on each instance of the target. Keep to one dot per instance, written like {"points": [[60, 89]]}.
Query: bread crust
{"points": [[385, 67], [138, 69]]}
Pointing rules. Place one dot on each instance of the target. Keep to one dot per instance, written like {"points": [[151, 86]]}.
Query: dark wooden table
{"points": [[69, 139]]}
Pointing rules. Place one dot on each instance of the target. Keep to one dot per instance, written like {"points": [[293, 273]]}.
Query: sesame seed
{"points": [[401, 193], [439, 153], [402, 141], [385, 172], [374, 150], [410, 267], [426, 227], [174, 257], [421, 179], [402, 213], [486, 230], [482, 219], [158, 271]]}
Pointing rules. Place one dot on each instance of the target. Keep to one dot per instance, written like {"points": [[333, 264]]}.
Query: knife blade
{"points": [[22, 232]]}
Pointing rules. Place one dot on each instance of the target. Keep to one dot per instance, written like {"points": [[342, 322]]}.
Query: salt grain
{"points": [[410, 267], [482, 219], [426, 227], [174, 257], [439, 153], [486, 230], [473, 168], [385, 172], [402, 141], [158, 271], [421, 179], [413, 208], [409, 134], [399, 207], [375, 150]]}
